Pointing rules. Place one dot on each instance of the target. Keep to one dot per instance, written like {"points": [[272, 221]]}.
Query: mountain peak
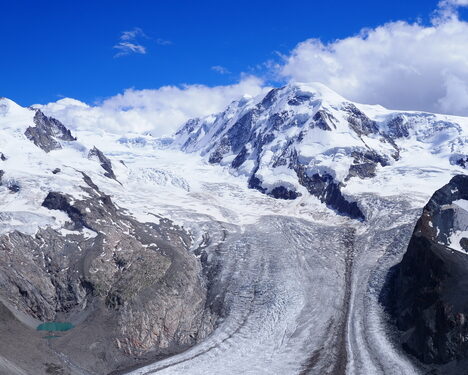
{"points": [[304, 138], [319, 90]]}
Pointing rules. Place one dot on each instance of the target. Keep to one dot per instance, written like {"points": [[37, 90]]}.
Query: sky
{"points": [[148, 65]]}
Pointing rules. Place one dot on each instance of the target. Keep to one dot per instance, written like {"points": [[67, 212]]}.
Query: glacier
{"points": [[293, 280]]}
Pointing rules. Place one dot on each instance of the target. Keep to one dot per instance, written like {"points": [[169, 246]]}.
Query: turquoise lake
{"points": [[55, 326]]}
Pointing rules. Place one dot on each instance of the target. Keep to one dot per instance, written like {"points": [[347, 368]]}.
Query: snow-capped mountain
{"points": [[306, 138], [202, 254], [70, 254]]}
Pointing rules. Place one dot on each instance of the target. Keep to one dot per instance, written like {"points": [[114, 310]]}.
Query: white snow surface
{"points": [[460, 227]]}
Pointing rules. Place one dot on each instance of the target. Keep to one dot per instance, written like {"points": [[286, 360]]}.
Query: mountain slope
{"points": [[429, 290], [69, 253], [303, 139], [147, 249]]}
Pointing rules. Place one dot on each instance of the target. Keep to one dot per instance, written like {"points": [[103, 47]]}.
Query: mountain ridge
{"points": [[306, 136]]}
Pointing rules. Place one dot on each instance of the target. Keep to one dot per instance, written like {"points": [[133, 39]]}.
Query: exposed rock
{"points": [[240, 158], [323, 120], [56, 170], [359, 122], [14, 187], [328, 191], [2, 156], [222, 149], [47, 132], [280, 192], [283, 130], [11, 185], [132, 289], [398, 127], [105, 162], [461, 160], [365, 164], [429, 289]]}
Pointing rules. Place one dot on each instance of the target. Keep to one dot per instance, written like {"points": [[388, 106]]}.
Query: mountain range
{"points": [[295, 232]]}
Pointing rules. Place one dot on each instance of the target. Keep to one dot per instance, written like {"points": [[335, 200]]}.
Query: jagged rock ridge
{"points": [[428, 289]]}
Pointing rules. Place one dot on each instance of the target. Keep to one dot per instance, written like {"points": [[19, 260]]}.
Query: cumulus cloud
{"points": [[447, 9], [399, 65], [160, 111], [129, 42]]}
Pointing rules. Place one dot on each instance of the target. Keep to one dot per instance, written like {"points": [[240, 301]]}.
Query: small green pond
{"points": [[55, 326]]}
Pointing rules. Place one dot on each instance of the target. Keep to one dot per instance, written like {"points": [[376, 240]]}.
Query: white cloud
{"points": [[163, 42], [126, 48], [398, 65], [129, 43], [447, 9], [161, 111], [132, 34], [220, 69]]}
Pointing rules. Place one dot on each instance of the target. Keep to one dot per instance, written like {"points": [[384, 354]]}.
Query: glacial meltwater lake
{"points": [[55, 326]]}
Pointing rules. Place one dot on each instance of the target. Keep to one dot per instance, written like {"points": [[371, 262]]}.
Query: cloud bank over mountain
{"points": [[400, 65], [159, 111]]}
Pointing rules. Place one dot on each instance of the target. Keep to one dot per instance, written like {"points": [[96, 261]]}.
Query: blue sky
{"points": [[51, 49]]}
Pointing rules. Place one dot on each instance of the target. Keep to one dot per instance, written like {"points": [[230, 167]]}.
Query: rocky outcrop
{"points": [[10, 184], [365, 164], [104, 160], [47, 132], [132, 289], [429, 288], [328, 191], [461, 160]]}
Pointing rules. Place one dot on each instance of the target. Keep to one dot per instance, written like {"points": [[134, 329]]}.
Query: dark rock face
{"points": [[57, 201], [328, 191], [239, 133], [132, 289], [47, 132], [359, 122], [428, 292], [240, 158], [365, 164], [323, 120], [398, 127], [461, 160], [104, 160], [14, 187], [222, 149], [280, 192]]}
